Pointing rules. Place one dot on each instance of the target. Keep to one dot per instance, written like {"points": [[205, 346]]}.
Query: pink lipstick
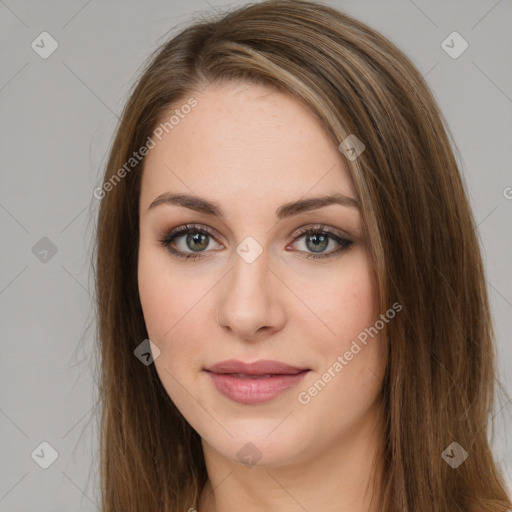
{"points": [[254, 383]]}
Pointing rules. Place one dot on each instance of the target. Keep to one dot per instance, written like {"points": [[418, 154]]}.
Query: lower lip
{"points": [[254, 391]]}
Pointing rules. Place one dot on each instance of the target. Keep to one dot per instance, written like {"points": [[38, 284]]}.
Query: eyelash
{"points": [[167, 240]]}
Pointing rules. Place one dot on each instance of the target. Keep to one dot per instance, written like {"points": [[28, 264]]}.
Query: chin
{"points": [[255, 448]]}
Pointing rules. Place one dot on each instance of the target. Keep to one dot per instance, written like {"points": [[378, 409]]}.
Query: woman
{"points": [[292, 312]]}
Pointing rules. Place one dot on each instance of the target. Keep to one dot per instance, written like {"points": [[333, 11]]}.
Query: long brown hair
{"points": [[439, 385]]}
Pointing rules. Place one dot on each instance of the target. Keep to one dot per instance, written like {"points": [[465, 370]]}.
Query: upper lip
{"points": [[261, 367]]}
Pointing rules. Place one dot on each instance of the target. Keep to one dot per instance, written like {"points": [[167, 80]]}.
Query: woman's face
{"points": [[252, 289]]}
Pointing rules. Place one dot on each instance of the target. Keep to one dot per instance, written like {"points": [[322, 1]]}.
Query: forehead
{"points": [[245, 142]]}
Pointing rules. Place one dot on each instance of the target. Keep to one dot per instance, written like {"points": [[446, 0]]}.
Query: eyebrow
{"points": [[202, 205]]}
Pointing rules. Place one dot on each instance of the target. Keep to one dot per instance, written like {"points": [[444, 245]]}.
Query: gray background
{"points": [[58, 116]]}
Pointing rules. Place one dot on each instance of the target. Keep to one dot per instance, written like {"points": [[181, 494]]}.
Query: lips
{"points": [[261, 368], [254, 383]]}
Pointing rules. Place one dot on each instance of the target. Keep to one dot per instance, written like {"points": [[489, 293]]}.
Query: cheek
{"points": [[349, 305], [171, 308], [163, 296], [355, 340], [156, 301], [160, 306]]}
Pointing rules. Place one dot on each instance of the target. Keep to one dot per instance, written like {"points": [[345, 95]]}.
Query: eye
{"points": [[318, 238], [197, 239]]}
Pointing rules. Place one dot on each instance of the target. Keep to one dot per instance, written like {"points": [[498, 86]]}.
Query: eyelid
{"points": [[182, 230], [298, 232], [340, 237], [321, 227]]}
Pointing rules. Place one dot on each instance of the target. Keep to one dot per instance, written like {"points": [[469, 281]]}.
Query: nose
{"points": [[251, 300]]}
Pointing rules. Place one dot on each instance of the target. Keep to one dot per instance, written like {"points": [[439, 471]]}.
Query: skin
{"points": [[252, 149]]}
